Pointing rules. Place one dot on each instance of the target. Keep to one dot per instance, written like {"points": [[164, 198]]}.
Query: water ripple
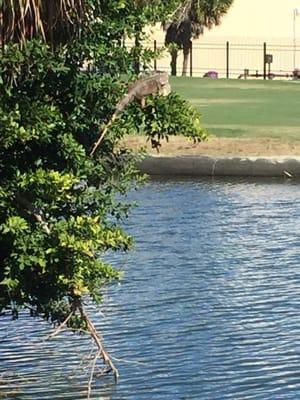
{"points": [[208, 308]]}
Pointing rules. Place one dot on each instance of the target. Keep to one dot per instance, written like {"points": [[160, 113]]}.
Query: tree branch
{"points": [[92, 331], [60, 327], [35, 212], [98, 340]]}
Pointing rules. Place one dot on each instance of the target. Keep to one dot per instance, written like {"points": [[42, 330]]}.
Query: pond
{"points": [[209, 306]]}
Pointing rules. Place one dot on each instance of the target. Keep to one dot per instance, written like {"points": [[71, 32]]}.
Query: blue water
{"points": [[209, 306]]}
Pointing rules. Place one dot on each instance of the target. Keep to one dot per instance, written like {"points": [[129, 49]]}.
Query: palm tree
{"points": [[155, 10], [188, 23], [53, 20]]}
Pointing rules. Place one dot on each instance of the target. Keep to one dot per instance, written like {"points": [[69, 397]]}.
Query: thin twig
{"points": [[30, 307], [86, 358], [60, 327], [79, 330], [97, 355], [127, 361]]}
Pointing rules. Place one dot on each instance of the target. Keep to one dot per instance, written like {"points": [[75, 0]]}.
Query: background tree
{"points": [[189, 22], [58, 207], [146, 12]]}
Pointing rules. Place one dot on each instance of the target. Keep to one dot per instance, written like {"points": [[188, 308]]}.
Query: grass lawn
{"points": [[245, 108]]}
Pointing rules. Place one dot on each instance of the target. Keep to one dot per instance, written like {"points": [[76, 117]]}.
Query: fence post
{"points": [[155, 49], [227, 60], [2, 28], [191, 59], [265, 65]]}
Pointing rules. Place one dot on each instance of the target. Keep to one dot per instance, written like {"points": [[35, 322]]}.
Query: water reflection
{"points": [[208, 308]]}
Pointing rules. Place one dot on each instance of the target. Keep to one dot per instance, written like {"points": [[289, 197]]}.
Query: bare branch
{"points": [[60, 327], [127, 361], [92, 331], [97, 355], [98, 340]]}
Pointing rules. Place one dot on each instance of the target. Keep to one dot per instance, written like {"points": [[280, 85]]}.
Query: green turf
{"points": [[245, 108]]}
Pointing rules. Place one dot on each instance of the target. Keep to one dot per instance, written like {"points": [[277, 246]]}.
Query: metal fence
{"points": [[234, 60]]}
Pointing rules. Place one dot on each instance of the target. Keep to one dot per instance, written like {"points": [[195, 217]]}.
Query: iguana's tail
{"points": [[97, 144], [120, 107]]}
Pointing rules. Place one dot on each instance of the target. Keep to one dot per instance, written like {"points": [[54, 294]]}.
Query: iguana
{"points": [[153, 83]]}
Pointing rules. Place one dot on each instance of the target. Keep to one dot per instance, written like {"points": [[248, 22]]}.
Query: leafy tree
{"points": [[58, 207], [189, 22]]}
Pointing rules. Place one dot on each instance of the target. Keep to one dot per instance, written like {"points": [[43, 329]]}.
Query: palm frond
{"points": [[200, 12], [49, 19]]}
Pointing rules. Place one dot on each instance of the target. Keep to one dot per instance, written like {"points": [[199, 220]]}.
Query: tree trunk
{"points": [[186, 53], [174, 55]]}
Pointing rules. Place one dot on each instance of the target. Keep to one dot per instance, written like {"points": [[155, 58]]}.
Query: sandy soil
{"points": [[219, 147]]}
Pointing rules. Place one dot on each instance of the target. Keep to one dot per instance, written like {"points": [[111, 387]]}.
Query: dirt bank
{"points": [[220, 147]]}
